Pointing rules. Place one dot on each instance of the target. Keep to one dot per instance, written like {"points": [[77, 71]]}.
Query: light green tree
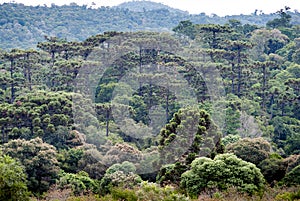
{"points": [[79, 183], [12, 180], [119, 175], [223, 172]]}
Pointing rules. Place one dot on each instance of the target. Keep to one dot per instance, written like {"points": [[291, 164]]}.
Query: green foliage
{"points": [[273, 169], [126, 167], [258, 67], [12, 180], [185, 28], [123, 194], [68, 159], [39, 160], [293, 177], [18, 21], [232, 121], [286, 135], [43, 114], [80, 183], [188, 123], [146, 191], [288, 196], [283, 21], [224, 171], [252, 150], [152, 191], [229, 139], [119, 175], [171, 174]]}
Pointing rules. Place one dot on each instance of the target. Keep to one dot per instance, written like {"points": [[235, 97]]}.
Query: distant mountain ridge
{"points": [[142, 6], [24, 26]]}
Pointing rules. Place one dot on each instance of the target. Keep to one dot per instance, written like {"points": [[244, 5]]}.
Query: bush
{"points": [[252, 150], [12, 180], [119, 175], [288, 196], [229, 139], [126, 167], [273, 169], [123, 194], [292, 178], [292, 161], [171, 173], [80, 183], [152, 192], [225, 171]]}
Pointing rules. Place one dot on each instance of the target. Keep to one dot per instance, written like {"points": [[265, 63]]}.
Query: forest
{"points": [[27, 25], [96, 105]]}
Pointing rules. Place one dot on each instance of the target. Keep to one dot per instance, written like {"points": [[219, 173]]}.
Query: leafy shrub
{"points": [[152, 192], [80, 183], [171, 173], [230, 139], [69, 159], [273, 169], [288, 196], [12, 180], [292, 178], [124, 194], [252, 150], [119, 175], [126, 167], [225, 171]]}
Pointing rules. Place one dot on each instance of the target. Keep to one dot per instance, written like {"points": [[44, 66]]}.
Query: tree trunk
{"points": [[140, 72], [107, 121], [167, 106], [239, 73], [232, 78], [264, 87], [12, 86]]}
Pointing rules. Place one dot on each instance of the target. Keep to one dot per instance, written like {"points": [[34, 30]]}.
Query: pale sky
{"points": [[219, 7]]}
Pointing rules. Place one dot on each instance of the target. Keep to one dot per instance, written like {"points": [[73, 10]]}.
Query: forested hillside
{"points": [[27, 25], [207, 110]]}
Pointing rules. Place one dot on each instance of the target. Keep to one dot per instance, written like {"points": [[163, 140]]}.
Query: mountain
{"points": [[142, 6], [24, 26]]}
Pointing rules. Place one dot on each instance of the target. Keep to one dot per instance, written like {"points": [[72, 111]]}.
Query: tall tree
{"points": [[212, 36], [13, 57], [237, 57], [283, 21]]}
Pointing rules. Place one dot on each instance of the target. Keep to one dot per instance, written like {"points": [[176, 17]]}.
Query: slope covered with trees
{"points": [[209, 111], [27, 25]]}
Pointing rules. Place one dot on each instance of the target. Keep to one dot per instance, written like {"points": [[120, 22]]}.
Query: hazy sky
{"points": [[219, 7]]}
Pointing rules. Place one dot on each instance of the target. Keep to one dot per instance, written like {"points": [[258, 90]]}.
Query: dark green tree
{"points": [[13, 57], [252, 150], [194, 134], [283, 21]]}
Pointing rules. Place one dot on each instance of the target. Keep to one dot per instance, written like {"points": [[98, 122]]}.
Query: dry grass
{"points": [[271, 194]]}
